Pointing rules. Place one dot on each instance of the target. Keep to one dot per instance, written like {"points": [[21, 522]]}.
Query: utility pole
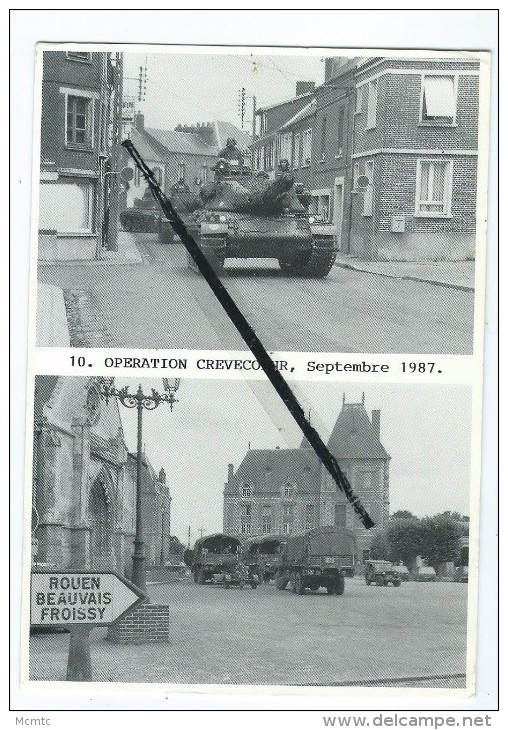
{"points": [[188, 537], [114, 182], [201, 531]]}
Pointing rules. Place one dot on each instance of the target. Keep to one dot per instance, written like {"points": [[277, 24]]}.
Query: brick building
{"points": [[185, 154], [79, 96], [284, 491], [415, 132], [408, 126], [84, 487], [284, 131]]}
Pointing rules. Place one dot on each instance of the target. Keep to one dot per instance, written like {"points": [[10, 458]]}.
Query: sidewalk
{"points": [[52, 328], [452, 274], [54, 249]]}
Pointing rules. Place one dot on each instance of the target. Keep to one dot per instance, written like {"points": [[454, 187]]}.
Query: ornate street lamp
{"points": [[140, 401]]}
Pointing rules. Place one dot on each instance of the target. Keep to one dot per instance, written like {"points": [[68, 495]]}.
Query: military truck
{"points": [[245, 215], [263, 555], [217, 559], [321, 557]]}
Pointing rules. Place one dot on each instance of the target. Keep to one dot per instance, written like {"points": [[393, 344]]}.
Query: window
{"points": [[309, 516], [371, 104], [433, 188], [158, 174], [287, 518], [246, 490], [368, 196], [67, 205], [78, 56], [320, 207], [204, 174], [288, 490], [181, 172], [78, 127], [286, 147], [323, 139], [262, 130], [340, 134], [268, 156], [439, 102], [266, 519], [246, 509], [245, 528], [359, 100], [297, 157], [306, 147], [356, 175]]}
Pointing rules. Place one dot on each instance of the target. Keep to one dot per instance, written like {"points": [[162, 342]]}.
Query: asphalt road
{"points": [[414, 635], [161, 303]]}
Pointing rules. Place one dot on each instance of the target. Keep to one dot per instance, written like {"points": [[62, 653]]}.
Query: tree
{"points": [[404, 538], [380, 547], [403, 514], [440, 539]]}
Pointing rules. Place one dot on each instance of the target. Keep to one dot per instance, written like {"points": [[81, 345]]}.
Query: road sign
{"points": [[80, 598]]}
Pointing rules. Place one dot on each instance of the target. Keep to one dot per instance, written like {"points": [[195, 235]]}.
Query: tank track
{"points": [[315, 265], [319, 264]]}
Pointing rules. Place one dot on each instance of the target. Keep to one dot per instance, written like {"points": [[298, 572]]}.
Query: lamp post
{"points": [[140, 401]]}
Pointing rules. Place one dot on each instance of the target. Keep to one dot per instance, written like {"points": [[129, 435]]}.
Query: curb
{"points": [[89, 262], [447, 285]]}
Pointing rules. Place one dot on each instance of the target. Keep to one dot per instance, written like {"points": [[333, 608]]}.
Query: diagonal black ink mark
{"points": [[250, 338]]}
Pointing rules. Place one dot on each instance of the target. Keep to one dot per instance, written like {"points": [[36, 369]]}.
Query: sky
{"points": [[424, 428], [192, 87]]}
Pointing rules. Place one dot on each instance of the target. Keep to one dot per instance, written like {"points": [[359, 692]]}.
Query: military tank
{"points": [[242, 214]]}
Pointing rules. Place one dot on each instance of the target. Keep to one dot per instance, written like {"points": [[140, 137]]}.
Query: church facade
{"points": [[286, 491], [84, 483]]}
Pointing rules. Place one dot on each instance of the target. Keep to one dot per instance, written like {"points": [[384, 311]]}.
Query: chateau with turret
{"points": [[285, 491]]}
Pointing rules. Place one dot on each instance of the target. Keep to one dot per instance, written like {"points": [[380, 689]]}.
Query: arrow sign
{"points": [[80, 598]]}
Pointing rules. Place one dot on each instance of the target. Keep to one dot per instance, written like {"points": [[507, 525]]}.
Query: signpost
{"points": [[80, 601]]}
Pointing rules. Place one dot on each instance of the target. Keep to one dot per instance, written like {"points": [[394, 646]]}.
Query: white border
{"points": [[352, 28]]}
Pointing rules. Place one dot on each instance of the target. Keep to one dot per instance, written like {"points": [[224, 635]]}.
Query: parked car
{"points": [[426, 574], [403, 572], [381, 572], [461, 574]]}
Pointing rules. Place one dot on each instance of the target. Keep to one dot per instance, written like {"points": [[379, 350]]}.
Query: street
{"points": [[163, 304], [414, 635]]}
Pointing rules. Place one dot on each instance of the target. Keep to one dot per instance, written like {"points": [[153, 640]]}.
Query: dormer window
{"points": [[246, 490], [288, 490]]}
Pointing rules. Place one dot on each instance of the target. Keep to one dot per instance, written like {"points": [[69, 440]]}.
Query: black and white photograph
{"points": [[338, 195], [254, 384], [247, 566]]}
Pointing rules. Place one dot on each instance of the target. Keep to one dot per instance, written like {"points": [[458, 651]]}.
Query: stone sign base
{"points": [[147, 624]]}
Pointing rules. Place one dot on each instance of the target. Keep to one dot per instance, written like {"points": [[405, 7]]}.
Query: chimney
{"points": [[139, 122], [305, 87], [230, 472], [376, 422]]}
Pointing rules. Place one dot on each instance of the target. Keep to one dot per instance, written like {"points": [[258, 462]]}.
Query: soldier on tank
{"points": [[283, 168], [231, 153]]}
